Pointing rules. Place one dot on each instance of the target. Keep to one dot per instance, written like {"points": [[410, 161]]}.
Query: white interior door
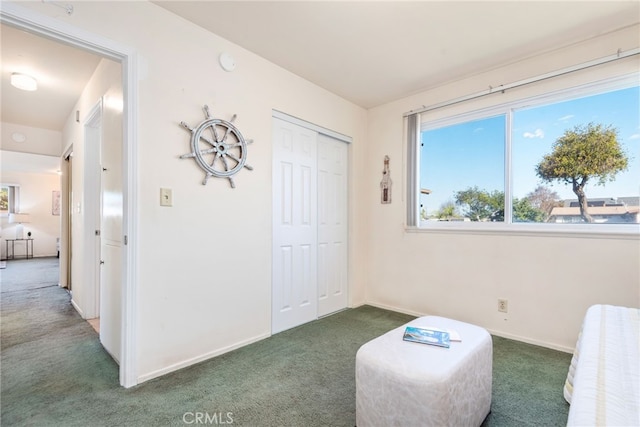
{"points": [[111, 248], [332, 225], [295, 231]]}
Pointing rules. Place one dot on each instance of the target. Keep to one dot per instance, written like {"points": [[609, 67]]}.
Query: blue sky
{"points": [[472, 154], [461, 156]]}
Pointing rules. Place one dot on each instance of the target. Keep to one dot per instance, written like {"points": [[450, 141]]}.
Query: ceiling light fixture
{"points": [[24, 82]]}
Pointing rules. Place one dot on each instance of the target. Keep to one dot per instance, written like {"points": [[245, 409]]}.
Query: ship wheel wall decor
{"points": [[218, 147]]}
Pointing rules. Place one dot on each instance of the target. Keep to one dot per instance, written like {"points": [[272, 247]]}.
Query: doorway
{"points": [[310, 235], [30, 21]]}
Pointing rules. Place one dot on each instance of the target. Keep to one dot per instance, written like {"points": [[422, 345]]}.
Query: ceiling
{"points": [[374, 52], [62, 73], [367, 52], [14, 161]]}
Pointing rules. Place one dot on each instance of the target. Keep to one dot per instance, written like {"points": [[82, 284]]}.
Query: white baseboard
{"points": [[198, 359], [73, 303], [531, 341], [502, 334], [396, 309], [207, 356]]}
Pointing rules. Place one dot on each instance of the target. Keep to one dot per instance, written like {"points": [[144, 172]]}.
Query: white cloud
{"points": [[635, 136], [565, 118], [538, 133], [478, 130]]}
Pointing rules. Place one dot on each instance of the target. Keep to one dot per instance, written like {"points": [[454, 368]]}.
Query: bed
{"points": [[603, 382]]}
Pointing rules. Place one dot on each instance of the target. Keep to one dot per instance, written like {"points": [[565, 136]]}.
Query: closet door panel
{"points": [[295, 229]]}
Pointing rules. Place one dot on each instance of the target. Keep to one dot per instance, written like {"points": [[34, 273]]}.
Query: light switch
{"points": [[166, 198]]}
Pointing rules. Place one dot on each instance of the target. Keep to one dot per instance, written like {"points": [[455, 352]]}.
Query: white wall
{"points": [[35, 199], [549, 280], [204, 273]]}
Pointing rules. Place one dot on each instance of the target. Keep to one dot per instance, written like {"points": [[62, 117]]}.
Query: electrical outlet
{"points": [[503, 305]]}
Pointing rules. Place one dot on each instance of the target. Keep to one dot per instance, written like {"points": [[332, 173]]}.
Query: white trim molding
{"points": [[305, 124], [203, 357]]}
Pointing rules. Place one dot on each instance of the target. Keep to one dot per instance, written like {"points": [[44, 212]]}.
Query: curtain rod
{"points": [[618, 55]]}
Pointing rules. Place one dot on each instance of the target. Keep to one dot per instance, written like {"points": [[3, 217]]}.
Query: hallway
{"points": [[47, 348]]}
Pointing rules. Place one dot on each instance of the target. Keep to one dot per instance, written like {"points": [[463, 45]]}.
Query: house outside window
{"points": [[485, 166]]}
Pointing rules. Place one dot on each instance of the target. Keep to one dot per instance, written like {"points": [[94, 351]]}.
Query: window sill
{"points": [[611, 231]]}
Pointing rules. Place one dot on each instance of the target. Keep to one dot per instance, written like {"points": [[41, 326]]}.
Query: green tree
{"points": [[524, 211], [581, 155], [447, 211], [478, 205], [4, 198], [544, 199], [423, 214]]}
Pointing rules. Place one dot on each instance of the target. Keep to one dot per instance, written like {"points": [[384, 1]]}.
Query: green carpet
{"points": [[55, 373], [25, 274], [528, 381]]}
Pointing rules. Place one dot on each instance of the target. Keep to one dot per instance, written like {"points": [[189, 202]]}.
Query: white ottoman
{"points": [[401, 383]]}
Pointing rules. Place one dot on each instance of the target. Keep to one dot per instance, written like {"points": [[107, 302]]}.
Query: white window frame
{"points": [[14, 205], [508, 108]]}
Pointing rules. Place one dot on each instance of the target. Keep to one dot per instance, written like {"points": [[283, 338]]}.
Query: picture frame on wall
{"points": [[55, 203]]}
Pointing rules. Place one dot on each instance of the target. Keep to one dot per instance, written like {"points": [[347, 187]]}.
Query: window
{"points": [[9, 199], [535, 130], [570, 157], [462, 170]]}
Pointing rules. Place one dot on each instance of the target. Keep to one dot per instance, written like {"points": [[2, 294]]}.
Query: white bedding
{"points": [[603, 382]]}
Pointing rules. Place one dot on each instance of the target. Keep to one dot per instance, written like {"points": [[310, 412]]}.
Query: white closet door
{"points": [[295, 230], [332, 225]]}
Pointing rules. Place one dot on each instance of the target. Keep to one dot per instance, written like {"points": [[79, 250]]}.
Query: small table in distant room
{"points": [[13, 248]]}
